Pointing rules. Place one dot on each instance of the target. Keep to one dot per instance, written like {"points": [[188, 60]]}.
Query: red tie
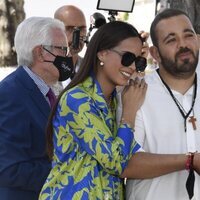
{"points": [[52, 98]]}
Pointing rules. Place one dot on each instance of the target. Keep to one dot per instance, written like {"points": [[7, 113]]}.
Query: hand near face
{"points": [[132, 98], [145, 48]]}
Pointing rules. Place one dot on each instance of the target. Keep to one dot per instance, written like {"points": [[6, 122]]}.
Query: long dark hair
{"points": [[106, 37]]}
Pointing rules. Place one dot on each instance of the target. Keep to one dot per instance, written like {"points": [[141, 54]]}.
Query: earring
{"points": [[101, 63]]}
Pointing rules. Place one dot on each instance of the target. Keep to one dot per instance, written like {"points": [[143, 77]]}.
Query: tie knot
{"points": [[51, 96]]}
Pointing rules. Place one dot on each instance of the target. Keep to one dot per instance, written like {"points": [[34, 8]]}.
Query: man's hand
{"points": [[145, 49]]}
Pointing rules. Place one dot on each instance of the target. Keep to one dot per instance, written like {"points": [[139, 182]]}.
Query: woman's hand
{"points": [[132, 98]]}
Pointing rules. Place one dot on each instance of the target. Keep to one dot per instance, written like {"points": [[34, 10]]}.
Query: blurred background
{"points": [[12, 12]]}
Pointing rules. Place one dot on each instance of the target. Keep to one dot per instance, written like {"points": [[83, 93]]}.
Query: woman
{"points": [[90, 152]]}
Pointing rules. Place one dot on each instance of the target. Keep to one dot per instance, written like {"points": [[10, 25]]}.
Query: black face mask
{"points": [[63, 64]]}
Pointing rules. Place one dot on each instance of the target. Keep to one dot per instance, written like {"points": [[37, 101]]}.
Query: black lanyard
{"points": [[184, 114]]}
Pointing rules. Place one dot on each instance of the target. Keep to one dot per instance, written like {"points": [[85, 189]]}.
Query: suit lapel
{"points": [[40, 101], [33, 92]]}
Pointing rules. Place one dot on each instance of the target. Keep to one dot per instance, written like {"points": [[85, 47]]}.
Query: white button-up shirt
{"points": [[159, 128]]}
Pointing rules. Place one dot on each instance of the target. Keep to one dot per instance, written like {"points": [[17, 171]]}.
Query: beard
{"points": [[180, 70]]}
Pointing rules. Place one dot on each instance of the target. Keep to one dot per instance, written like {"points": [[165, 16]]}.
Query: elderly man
{"points": [[25, 102]]}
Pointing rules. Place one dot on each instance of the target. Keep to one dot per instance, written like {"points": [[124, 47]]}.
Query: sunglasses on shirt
{"points": [[129, 58]]}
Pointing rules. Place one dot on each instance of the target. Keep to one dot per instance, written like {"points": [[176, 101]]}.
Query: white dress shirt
{"points": [[159, 128]]}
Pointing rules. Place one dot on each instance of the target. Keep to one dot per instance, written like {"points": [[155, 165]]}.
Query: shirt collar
{"points": [[43, 87]]}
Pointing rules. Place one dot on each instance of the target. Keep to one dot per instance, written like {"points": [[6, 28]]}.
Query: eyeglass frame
{"points": [[136, 59], [63, 48]]}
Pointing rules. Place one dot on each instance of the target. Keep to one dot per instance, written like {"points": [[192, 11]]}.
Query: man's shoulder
{"points": [[8, 81], [152, 78], [15, 81], [155, 87], [18, 72]]}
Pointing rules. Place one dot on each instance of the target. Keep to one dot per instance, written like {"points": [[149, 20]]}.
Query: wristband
{"points": [[189, 161]]}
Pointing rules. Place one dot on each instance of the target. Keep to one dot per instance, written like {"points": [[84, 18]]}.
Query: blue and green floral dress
{"points": [[90, 153]]}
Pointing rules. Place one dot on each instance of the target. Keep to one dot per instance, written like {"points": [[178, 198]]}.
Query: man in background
{"points": [[74, 20]]}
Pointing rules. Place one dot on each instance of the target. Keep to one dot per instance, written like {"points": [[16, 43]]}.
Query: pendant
{"points": [[193, 121]]}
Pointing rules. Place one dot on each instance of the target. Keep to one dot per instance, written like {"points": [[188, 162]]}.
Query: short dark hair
{"points": [[165, 14]]}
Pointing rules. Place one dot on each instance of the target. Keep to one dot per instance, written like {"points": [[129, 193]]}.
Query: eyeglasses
{"points": [[64, 50], [128, 58]]}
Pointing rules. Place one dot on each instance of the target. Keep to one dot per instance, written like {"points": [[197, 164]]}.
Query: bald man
{"points": [[73, 18]]}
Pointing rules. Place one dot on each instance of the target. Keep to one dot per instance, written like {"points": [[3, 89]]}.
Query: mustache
{"points": [[183, 50]]}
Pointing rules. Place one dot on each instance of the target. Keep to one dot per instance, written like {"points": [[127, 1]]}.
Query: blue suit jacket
{"points": [[24, 111]]}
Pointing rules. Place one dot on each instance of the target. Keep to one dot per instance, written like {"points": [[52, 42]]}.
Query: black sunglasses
{"points": [[128, 58]]}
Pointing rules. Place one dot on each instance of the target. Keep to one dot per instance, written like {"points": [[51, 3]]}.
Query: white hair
{"points": [[33, 32]]}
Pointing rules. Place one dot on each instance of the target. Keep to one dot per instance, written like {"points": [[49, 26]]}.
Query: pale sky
{"points": [[46, 8], [141, 16]]}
